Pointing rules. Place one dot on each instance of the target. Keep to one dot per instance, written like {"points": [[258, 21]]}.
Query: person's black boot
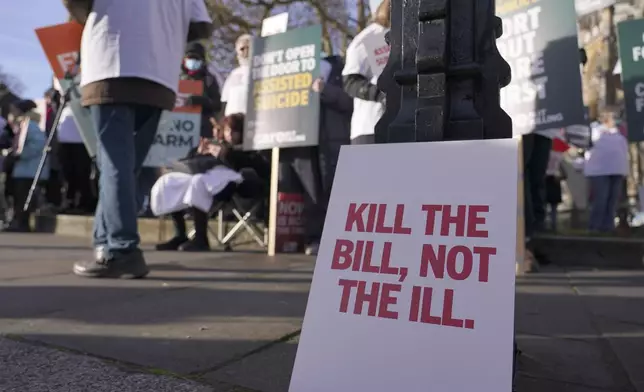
{"points": [[196, 245], [129, 265], [173, 244]]}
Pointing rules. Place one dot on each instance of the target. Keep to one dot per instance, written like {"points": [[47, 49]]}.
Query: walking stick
{"points": [[66, 96]]}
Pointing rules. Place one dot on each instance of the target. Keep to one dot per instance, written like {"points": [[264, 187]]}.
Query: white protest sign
{"points": [[179, 130], [275, 24], [413, 287], [377, 52]]}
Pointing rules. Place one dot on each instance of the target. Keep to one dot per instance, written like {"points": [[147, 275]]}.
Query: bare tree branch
{"points": [[232, 18]]}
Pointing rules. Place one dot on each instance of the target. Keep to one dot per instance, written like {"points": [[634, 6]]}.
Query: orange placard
{"points": [[186, 89], [61, 44]]}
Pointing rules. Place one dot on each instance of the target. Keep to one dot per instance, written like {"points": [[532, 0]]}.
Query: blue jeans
{"points": [[125, 135], [605, 193]]}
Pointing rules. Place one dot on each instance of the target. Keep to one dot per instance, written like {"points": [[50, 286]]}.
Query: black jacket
{"points": [[335, 121], [237, 159]]}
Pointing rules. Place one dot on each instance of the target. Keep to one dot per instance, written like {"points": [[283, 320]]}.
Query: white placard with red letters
{"points": [[413, 287]]}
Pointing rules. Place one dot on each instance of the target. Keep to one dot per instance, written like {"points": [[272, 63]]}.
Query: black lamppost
{"points": [[444, 73]]}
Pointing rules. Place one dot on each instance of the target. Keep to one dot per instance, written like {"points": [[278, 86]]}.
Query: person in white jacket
{"points": [[234, 95], [606, 168], [360, 78]]}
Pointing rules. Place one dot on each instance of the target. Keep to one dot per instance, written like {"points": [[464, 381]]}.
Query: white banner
{"points": [[178, 133]]}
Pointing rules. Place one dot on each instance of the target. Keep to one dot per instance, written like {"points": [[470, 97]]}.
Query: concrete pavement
{"points": [[230, 322], [581, 330]]}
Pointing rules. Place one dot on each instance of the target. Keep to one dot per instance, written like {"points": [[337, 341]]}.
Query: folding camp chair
{"points": [[246, 219]]}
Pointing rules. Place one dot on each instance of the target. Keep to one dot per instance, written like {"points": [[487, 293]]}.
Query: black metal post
{"points": [[444, 73]]}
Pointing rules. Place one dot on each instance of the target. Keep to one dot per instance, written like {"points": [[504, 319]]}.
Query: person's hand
{"points": [[318, 85], [214, 149], [202, 148]]}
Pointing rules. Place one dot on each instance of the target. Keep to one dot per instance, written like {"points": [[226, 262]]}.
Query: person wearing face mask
{"points": [[194, 67], [360, 80], [234, 94]]}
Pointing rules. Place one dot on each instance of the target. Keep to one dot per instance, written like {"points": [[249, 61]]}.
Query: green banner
{"points": [[283, 110], [631, 53]]}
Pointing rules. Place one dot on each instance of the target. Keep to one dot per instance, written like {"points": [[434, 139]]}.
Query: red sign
{"points": [[290, 227]]}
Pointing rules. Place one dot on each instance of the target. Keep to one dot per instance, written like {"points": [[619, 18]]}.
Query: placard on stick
{"points": [[178, 130], [61, 44], [413, 287]]}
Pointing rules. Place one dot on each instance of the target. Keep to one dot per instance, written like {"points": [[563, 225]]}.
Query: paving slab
{"points": [[194, 311], [181, 330], [616, 301], [564, 347], [530, 384], [268, 371]]}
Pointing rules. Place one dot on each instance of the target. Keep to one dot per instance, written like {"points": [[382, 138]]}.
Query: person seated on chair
{"points": [[210, 156]]}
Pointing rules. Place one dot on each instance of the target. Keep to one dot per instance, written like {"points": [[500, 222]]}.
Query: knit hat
{"points": [[25, 106]]}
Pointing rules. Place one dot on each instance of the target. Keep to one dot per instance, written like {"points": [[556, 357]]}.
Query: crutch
{"points": [[64, 100]]}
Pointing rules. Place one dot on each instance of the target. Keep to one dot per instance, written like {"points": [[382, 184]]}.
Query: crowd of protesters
{"points": [[604, 162], [126, 95]]}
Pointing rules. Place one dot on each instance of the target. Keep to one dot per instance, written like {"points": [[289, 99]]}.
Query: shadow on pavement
{"points": [[142, 306]]}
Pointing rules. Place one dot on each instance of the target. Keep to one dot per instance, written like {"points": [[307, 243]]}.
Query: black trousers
{"points": [[300, 170], [200, 219], [536, 153], [53, 187], [77, 167], [21, 187]]}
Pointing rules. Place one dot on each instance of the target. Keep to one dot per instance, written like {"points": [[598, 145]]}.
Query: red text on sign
{"points": [[421, 309], [466, 220], [378, 299], [358, 256], [372, 218], [382, 50], [442, 259]]}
